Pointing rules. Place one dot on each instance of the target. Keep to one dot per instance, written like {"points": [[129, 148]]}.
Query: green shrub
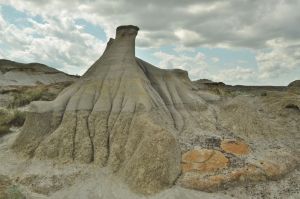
{"points": [[25, 94], [10, 117], [5, 116], [4, 130], [18, 118], [24, 98]]}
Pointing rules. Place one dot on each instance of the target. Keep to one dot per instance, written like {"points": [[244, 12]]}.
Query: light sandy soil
{"points": [[50, 180], [45, 179]]}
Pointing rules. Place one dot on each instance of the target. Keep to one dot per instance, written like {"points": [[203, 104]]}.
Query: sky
{"points": [[250, 42]]}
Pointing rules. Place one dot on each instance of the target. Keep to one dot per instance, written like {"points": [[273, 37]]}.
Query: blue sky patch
{"points": [[92, 29], [13, 16]]}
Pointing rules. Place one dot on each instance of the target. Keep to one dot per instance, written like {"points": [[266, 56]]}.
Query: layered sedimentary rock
{"points": [[154, 127]]}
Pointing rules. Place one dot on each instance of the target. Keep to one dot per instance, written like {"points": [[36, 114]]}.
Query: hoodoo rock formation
{"points": [[154, 128], [112, 116]]}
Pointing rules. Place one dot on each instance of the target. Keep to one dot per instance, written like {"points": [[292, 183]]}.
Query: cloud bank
{"points": [[268, 29]]}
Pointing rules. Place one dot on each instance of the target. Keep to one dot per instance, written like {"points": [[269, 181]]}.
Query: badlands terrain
{"points": [[18, 74], [128, 129], [31, 81]]}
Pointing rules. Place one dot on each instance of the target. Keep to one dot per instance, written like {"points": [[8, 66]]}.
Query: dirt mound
{"points": [[294, 86], [295, 83]]}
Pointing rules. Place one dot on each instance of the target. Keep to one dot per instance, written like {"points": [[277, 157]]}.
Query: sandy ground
{"points": [[46, 179]]}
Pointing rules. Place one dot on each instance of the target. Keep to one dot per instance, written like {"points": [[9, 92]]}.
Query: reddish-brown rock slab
{"points": [[203, 160], [272, 166], [194, 180], [236, 147]]}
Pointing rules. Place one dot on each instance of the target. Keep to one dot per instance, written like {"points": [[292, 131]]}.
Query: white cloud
{"points": [[236, 74], [188, 37], [59, 43], [280, 58], [204, 8], [195, 65], [186, 25], [2, 22], [230, 23]]}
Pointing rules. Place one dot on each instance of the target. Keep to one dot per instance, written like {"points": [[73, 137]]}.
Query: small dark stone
{"points": [[263, 94], [212, 142], [292, 106]]}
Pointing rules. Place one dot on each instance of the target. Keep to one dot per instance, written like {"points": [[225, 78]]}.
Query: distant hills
{"points": [[20, 74]]}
